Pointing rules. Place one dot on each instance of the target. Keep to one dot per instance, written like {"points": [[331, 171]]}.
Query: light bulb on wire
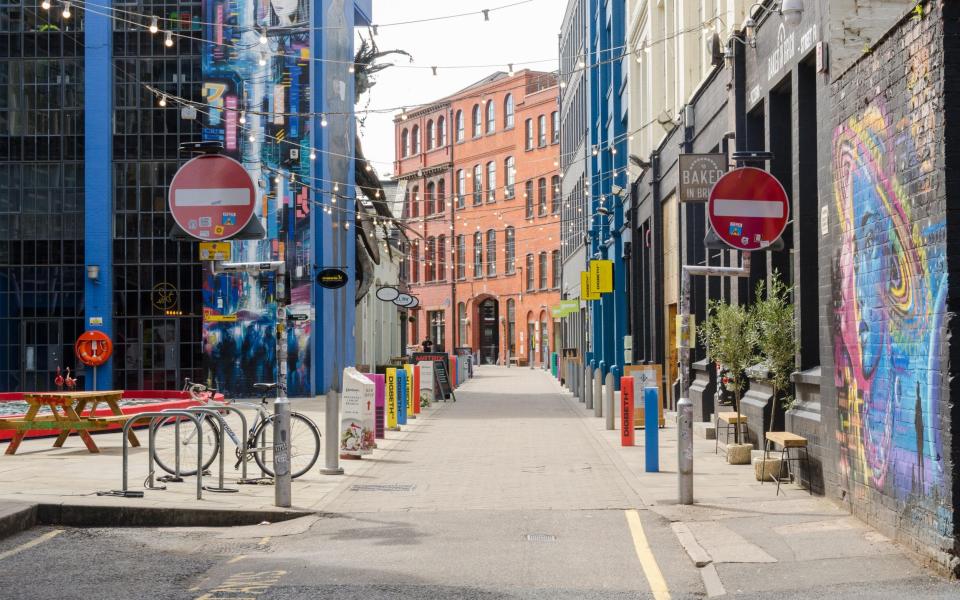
{"points": [[45, 5], [263, 36], [168, 41], [154, 26], [66, 10], [323, 120]]}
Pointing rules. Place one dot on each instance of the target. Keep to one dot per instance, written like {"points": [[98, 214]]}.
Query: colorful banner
{"points": [[628, 435], [392, 400], [601, 276], [380, 381], [356, 414], [411, 414], [416, 390], [401, 397], [586, 289]]}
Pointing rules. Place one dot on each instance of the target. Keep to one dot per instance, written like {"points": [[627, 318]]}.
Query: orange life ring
{"points": [[93, 348]]}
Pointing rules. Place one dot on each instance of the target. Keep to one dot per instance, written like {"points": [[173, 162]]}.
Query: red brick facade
{"points": [[501, 306]]}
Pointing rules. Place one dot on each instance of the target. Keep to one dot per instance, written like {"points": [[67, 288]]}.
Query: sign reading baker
{"points": [[698, 174]]}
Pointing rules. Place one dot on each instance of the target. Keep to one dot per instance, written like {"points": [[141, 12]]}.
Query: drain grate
{"points": [[383, 487], [541, 537]]}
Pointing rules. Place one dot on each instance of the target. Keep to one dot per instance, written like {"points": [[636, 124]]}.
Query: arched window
{"points": [[441, 258], [441, 195], [441, 132], [491, 253], [460, 126], [415, 142], [528, 197], [491, 181], [542, 196], [431, 257], [491, 117], [508, 112], [477, 185], [478, 254], [405, 144], [461, 191], [509, 176], [414, 263], [510, 251], [428, 208], [530, 275], [477, 123], [415, 204], [543, 270], [430, 134], [555, 194]]}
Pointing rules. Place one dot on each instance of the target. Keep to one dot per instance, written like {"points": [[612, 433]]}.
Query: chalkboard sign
{"points": [[443, 379]]}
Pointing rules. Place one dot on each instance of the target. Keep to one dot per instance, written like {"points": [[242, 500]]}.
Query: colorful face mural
{"points": [[266, 86], [890, 281]]}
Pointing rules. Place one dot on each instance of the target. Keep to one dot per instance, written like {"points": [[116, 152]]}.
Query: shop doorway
{"points": [[160, 354], [489, 313], [43, 352]]}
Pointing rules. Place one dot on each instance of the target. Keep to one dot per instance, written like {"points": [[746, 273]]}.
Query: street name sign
{"points": [[212, 198], [748, 209]]}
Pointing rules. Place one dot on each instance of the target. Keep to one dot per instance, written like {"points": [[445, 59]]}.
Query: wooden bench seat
{"points": [[732, 417], [786, 439]]}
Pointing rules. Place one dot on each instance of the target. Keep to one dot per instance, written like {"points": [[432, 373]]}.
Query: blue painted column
{"points": [[618, 166], [333, 235], [98, 192]]}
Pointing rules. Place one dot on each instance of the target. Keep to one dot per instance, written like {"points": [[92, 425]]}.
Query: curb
{"points": [[16, 517]]}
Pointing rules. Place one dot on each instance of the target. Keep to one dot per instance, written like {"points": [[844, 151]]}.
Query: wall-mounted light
{"points": [[93, 273], [791, 11]]}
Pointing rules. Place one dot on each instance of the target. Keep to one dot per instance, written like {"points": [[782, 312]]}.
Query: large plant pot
{"points": [[767, 469], [739, 454]]}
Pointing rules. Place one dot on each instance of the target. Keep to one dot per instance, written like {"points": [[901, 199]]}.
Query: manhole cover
{"points": [[383, 487], [541, 537]]}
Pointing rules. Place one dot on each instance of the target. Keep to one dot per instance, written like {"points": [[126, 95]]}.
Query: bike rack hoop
{"points": [[154, 416]]}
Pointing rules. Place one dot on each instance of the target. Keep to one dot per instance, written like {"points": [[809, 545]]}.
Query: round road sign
{"points": [[212, 197], [748, 208]]}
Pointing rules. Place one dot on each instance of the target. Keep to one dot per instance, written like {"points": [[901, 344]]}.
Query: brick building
{"points": [[480, 170]]}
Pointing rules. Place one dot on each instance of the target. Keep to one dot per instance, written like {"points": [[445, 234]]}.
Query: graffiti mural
{"points": [[257, 95], [890, 286]]}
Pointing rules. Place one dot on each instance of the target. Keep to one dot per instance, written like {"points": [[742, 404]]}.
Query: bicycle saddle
{"points": [[264, 387]]}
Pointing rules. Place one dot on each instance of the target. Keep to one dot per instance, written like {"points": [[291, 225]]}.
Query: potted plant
{"points": [[777, 344], [728, 334]]}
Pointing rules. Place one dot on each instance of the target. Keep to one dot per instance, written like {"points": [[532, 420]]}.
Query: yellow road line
{"points": [[236, 559], [658, 584], [34, 542]]}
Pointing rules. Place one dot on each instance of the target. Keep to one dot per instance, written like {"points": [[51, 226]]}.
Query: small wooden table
{"points": [[67, 410]]}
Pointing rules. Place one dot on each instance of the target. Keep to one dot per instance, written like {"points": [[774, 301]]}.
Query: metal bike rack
{"points": [[213, 412], [154, 416]]}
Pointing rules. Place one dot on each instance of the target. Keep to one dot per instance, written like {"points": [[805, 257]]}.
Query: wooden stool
{"points": [[787, 440], [730, 418]]}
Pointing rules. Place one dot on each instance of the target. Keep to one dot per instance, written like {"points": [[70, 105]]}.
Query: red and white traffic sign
{"points": [[748, 208], [212, 197]]}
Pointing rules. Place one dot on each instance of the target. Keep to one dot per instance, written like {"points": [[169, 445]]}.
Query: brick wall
{"points": [[886, 357]]}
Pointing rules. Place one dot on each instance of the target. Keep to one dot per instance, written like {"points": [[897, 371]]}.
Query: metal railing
{"points": [[154, 419]]}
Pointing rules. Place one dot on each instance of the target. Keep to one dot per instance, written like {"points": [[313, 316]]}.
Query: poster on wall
{"points": [[256, 94], [357, 433], [645, 376]]}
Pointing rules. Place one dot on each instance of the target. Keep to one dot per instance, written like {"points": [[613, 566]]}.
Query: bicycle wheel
{"points": [[304, 444], [165, 451]]}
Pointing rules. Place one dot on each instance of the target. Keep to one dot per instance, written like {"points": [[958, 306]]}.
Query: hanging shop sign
{"points": [[601, 276], [332, 279], [748, 209], [387, 293], [698, 174], [212, 197], [586, 290]]}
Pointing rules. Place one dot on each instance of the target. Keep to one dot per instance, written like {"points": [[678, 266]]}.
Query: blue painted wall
{"points": [[98, 199]]}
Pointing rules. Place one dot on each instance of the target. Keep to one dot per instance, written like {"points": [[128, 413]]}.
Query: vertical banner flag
{"points": [[401, 397], [416, 389], [380, 381], [627, 432], [601, 276], [392, 400], [586, 291], [411, 414]]}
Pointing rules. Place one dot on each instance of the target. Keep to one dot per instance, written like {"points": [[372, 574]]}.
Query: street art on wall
{"points": [[890, 288], [254, 92]]}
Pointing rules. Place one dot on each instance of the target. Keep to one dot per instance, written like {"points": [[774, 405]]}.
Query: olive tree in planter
{"points": [[729, 334], [777, 345]]}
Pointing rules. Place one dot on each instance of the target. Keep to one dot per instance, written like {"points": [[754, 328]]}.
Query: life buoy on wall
{"points": [[93, 348]]}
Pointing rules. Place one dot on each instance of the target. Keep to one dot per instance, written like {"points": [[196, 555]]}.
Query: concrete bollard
{"points": [[588, 387], [609, 408], [578, 382], [598, 392]]}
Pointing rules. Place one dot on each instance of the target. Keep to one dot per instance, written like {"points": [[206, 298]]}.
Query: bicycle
{"points": [[304, 436]]}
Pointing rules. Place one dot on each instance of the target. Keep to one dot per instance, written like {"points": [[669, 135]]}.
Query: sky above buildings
{"points": [[522, 34]]}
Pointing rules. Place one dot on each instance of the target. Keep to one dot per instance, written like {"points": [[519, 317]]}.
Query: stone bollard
{"points": [[588, 387], [598, 393], [609, 408], [578, 382]]}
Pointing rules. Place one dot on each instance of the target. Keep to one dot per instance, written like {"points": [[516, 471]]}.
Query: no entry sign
{"points": [[748, 208], [212, 198]]}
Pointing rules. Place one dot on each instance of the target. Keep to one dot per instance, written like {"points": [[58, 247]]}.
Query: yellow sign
{"points": [[220, 318], [687, 332], [215, 250], [586, 291], [601, 276], [410, 391], [391, 399]]}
